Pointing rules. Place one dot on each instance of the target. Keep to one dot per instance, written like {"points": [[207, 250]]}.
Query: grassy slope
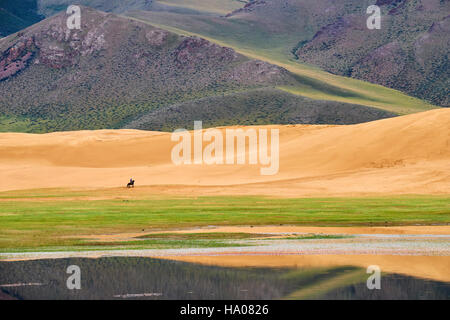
{"points": [[136, 84], [91, 105], [409, 52], [52, 7], [259, 44], [213, 6], [255, 107], [276, 29], [42, 219], [52, 99], [14, 124]]}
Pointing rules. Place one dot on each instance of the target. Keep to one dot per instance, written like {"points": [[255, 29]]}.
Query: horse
{"points": [[130, 184]]}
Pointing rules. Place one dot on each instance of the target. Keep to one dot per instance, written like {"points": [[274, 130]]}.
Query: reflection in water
{"points": [[145, 278]]}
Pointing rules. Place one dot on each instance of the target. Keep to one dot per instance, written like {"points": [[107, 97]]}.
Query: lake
{"points": [[147, 278]]}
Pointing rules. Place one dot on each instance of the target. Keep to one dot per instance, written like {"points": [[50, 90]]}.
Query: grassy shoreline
{"points": [[38, 219]]}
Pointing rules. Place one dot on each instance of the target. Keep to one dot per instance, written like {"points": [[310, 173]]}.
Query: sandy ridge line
{"points": [[403, 155]]}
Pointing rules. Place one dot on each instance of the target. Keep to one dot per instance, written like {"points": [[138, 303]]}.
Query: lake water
{"points": [[147, 278]]}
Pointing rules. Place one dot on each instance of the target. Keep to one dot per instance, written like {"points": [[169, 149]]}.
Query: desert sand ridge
{"points": [[408, 154]]}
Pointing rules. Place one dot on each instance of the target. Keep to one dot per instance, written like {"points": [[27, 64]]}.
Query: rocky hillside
{"points": [[113, 69], [409, 53]]}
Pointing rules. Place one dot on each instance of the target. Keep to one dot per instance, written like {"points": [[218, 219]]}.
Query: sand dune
{"points": [[408, 154]]}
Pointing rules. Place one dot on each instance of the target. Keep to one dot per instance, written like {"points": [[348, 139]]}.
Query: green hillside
{"points": [[121, 71], [255, 107], [273, 36], [220, 7], [115, 71], [217, 7], [409, 53], [51, 7], [284, 32]]}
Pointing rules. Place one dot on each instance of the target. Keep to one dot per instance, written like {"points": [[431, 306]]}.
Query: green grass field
{"points": [[257, 43], [46, 220]]}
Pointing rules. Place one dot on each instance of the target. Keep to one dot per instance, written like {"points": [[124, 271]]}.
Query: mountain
{"points": [[112, 69], [409, 53], [17, 15], [324, 33], [51, 7], [210, 7], [115, 70]]}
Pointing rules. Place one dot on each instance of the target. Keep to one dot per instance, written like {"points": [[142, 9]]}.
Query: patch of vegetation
{"points": [[52, 7], [255, 107], [160, 244], [315, 237], [210, 6], [15, 124], [36, 224], [79, 245]]}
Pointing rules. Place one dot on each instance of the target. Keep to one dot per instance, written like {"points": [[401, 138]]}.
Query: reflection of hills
{"points": [[394, 287], [103, 278]]}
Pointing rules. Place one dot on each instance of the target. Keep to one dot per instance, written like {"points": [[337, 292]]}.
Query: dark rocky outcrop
{"points": [[16, 58]]}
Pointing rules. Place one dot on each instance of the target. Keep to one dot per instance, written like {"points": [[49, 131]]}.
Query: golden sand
{"points": [[403, 155]]}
